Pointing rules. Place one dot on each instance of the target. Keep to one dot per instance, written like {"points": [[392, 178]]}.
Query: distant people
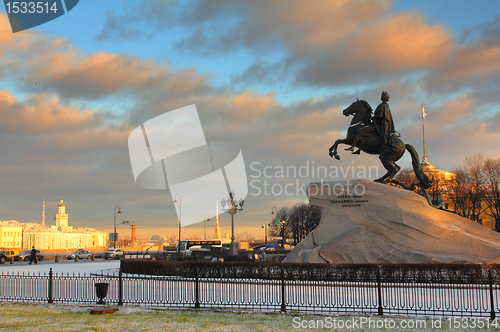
{"points": [[33, 256]]}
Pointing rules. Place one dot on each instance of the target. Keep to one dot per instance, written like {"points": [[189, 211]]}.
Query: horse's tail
{"points": [[415, 161]]}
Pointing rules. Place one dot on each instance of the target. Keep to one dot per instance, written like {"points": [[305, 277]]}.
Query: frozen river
{"points": [[63, 266]]}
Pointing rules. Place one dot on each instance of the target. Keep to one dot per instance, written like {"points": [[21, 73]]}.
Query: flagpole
{"points": [[424, 158]]}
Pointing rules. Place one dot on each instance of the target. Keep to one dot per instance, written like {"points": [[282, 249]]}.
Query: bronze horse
{"points": [[362, 112]]}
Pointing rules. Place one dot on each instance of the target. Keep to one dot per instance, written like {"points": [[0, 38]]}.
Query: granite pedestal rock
{"points": [[368, 222]]}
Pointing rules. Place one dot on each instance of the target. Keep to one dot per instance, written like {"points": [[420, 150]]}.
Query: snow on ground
{"points": [[63, 266]]}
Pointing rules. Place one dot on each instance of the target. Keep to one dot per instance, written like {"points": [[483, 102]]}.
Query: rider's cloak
{"points": [[383, 121]]}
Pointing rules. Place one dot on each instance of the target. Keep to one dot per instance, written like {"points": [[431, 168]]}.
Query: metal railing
{"points": [[283, 290]]}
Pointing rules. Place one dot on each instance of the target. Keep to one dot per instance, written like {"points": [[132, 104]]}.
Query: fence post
{"points": [[283, 306], [490, 279], [120, 287], [197, 290], [50, 287], [379, 291]]}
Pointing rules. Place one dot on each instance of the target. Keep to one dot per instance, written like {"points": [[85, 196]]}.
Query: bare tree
{"points": [[302, 220], [277, 225], [469, 189], [295, 222], [459, 192], [406, 176], [492, 183]]}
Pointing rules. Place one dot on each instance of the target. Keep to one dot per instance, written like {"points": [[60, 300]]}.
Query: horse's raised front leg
{"points": [[333, 149]]}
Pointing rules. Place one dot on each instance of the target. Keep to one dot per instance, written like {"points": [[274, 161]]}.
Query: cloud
{"points": [[333, 42], [139, 21], [52, 142], [41, 113], [333, 21], [488, 32], [259, 72], [468, 64], [324, 43], [75, 76], [380, 50], [10, 41], [247, 105], [471, 67], [457, 110], [317, 35]]}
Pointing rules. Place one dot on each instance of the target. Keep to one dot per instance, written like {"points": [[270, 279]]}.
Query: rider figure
{"points": [[382, 123]]}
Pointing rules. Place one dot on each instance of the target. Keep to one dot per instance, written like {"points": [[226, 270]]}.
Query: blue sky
{"points": [[271, 76]]}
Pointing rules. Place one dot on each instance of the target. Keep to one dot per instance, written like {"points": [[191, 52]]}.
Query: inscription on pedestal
{"points": [[349, 200]]}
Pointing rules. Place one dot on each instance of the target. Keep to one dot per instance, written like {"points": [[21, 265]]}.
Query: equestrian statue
{"points": [[374, 133]]}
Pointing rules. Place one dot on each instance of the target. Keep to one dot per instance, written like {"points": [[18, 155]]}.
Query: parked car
{"points": [[25, 255], [269, 248], [80, 253], [114, 253], [3, 257], [11, 252]]}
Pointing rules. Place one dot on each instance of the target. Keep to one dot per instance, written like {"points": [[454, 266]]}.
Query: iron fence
{"points": [[384, 290]]}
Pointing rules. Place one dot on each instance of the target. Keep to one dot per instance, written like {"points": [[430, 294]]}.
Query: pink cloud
{"points": [[471, 61], [248, 105], [10, 41], [41, 113], [314, 25], [54, 124], [404, 41]]}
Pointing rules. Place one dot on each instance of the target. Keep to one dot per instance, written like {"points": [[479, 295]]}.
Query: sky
{"points": [[272, 77]]}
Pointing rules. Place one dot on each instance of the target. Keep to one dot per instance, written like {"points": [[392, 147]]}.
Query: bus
{"points": [[196, 247]]}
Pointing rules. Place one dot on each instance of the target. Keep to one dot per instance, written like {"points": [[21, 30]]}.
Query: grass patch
{"points": [[68, 317]]}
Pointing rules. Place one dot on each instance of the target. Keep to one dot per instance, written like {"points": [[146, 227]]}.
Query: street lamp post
{"points": [[125, 222], [272, 212], [180, 216], [114, 233], [265, 234], [205, 233], [281, 229], [232, 208], [282, 232]]}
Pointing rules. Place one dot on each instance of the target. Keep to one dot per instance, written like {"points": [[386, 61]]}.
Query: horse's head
{"points": [[351, 110]]}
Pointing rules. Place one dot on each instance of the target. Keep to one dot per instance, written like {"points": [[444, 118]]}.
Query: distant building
{"points": [[11, 234], [134, 238], [52, 238], [217, 227], [436, 173], [61, 216], [61, 236]]}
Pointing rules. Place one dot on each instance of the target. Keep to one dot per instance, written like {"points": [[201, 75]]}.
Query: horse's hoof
{"points": [[331, 154], [337, 157]]}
